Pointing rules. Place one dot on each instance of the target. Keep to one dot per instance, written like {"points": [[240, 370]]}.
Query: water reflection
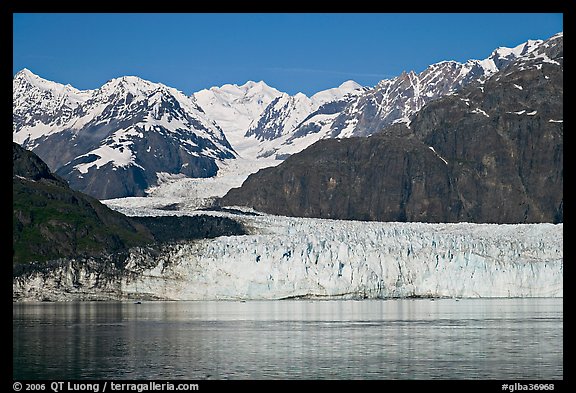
{"points": [[301, 339]]}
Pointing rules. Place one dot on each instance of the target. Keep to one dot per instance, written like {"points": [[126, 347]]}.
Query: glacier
{"points": [[285, 257]]}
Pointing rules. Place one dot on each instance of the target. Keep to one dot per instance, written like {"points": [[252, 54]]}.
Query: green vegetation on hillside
{"points": [[50, 221]]}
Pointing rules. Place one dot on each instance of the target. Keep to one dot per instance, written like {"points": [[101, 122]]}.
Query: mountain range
{"points": [[491, 152], [119, 139], [113, 141]]}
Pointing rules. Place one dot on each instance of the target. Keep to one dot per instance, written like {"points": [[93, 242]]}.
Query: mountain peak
{"points": [[519, 50], [234, 91], [337, 93], [253, 85], [350, 85], [25, 73], [130, 82], [396, 99]]}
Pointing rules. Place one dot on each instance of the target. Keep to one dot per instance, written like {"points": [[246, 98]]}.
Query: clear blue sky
{"points": [[291, 52]]}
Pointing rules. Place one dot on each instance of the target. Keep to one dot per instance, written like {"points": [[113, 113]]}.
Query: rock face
{"points": [[386, 178], [492, 153], [28, 166]]}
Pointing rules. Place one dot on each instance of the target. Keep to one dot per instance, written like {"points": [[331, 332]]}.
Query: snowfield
{"points": [[179, 195], [314, 258]]}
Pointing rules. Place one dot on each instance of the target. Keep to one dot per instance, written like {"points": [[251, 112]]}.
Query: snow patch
{"points": [[438, 155], [482, 112]]}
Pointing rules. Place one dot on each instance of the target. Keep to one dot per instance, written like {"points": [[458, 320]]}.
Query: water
{"points": [[370, 339]]}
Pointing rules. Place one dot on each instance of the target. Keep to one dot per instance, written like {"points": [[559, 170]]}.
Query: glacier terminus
{"points": [[327, 259]]}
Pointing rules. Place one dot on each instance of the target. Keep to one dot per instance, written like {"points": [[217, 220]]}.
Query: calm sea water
{"points": [[300, 339]]}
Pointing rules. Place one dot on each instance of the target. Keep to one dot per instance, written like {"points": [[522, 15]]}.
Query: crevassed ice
{"points": [[296, 257]]}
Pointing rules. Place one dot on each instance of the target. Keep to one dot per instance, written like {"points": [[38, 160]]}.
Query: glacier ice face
{"points": [[297, 257]]}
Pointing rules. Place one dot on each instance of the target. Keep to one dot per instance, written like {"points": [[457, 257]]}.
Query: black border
{"points": [[8, 7], [412, 6]]}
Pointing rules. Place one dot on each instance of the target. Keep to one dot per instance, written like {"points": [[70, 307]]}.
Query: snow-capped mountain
{"points": [[281, 116], [345, 89], [260, 121], [490, 152], [285, 113], [549, 51], [318, 124], [396, 100], [113, 141], [41, 106], [291, 123], [235, 107]]}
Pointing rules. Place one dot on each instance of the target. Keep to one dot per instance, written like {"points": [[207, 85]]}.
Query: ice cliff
{"points": [[297, 257]]}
